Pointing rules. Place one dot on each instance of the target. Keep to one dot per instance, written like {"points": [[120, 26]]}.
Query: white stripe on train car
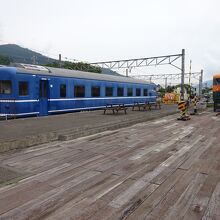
{"points": [[27, 100], [13, 101], [77, 99], [101, 98], [29, 113]]}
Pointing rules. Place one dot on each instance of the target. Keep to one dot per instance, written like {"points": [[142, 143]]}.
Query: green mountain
{"points": [[19, 54], [16, 54]]}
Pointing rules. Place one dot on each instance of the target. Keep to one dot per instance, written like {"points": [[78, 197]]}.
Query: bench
{"points": [[115, 108], [140, 105], [146, 105], [157, 105]]}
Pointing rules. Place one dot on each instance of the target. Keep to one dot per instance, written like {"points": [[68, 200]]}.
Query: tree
{"points": [[189, 89], [170, 88], [161, 91], [54, 64], [4, 60], [206, 90], [76, 66]]}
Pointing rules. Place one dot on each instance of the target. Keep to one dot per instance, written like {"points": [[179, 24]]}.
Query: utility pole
{"points": [[60, 60], [190, 71], [165, 85], [182, 75], [126, 72], [200, 83]]}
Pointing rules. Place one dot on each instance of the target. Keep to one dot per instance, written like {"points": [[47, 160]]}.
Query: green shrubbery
{"points": [[76, 66], [4, 60]]}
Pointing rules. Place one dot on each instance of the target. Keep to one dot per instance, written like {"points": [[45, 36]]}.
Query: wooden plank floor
{"points": [[163, 169]]}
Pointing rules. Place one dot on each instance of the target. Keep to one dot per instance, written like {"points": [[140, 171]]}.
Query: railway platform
{"points": [[160, 169], [25, 132]]}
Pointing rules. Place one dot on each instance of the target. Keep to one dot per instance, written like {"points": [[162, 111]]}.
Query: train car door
{"points": [[43, 97]]}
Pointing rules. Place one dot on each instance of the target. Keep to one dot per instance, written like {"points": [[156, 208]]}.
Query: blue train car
{"points": [[36, 90]]}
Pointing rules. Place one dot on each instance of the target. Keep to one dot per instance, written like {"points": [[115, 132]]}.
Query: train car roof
{"points": [[50, 71], [216, 76]]}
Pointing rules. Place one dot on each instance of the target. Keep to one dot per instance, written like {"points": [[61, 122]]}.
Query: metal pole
{"points": [[200, 83], [126, 72], [60, 60], [190, 68], [199, 86], [182, 75], [165, 85], [201, 80]]}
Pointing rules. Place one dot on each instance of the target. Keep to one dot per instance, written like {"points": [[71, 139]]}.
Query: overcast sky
{"points": [[102, 30]]}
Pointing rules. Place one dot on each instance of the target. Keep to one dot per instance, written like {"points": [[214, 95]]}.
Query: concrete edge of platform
{"points": [[27, 141], [70, 134]]}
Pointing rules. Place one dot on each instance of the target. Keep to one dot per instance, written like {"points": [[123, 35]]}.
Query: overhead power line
{"points": [[148, 61]]}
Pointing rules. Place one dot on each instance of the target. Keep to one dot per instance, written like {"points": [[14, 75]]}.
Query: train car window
{"points": [[95, 91], [145, 92], [216, 81], [108, 91], [138, 92], [120, 91], [23, 88], [43, 89], [79, 91], [129, 92], [63, 90], [5, 87]]}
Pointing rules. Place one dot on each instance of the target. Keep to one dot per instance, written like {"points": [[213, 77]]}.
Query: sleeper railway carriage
{"points": [[36, 90]]}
